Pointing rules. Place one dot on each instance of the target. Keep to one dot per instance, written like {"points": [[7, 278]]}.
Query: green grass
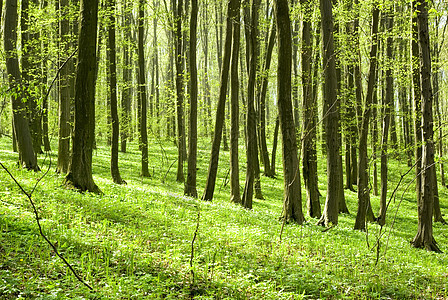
{"points": [[134, 241]]}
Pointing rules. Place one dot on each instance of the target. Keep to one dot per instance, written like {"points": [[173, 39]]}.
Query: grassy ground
{"points": [[134, 241]]}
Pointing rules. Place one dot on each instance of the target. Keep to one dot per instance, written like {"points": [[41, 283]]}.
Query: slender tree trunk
{"points": [[156, 79], [424, 237], [262, 100], [22, 133], [292, 203], [309, 155], [235, 195], [190, 185], [126, 93], [363, 169], [64, 94], [80, 171], [142, 89], [417, 109], [274, 144], [331, 121], [389, 111], [180, 93], [115, 172], [220, 111]]}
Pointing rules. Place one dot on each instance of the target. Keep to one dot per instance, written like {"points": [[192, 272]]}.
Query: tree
{"points": [[115, 171], [21, 128], [220, 110], [424, 237], [363, 169], [251, 117], [64, 94], [190, 185], [235, 195], [309, 155], [80, 170], [142, 89], [179, 92], [388, 115], [127, 75], [292, 203], [331, 122]]}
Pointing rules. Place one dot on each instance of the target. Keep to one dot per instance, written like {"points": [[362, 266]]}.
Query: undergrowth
{"points": [[134, 241]]}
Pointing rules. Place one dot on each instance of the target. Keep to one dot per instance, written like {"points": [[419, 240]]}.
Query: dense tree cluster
{"points": [[363, 79]]}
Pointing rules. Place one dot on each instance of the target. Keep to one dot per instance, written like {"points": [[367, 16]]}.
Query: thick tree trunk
{"points": [[220, 111], [363, 168], [292, 204], [142, 90], [424, 237], [27, 157], [80, 171], [309, 155], [235, 195], [331, 121], [190, 185], [115, 172]]}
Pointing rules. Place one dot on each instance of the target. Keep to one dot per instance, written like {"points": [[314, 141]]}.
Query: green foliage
{"points": [[134, 241]]}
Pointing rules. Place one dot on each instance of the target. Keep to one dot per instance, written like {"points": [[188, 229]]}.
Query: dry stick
{"points": [[36, 216], [192, 248]]}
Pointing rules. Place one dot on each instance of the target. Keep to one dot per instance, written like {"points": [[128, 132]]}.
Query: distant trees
{"points": [[168, 75]]}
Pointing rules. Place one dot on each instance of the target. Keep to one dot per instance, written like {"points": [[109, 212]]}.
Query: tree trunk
{"points": [[389, 112], [363, 168], [235, 195], [424, 237], [274, 144], [64, 95], [127, 79], [80, 171], [220, 111], [115, 172], [292, 203], [142, 89], [190, 185], [417, 109], [331, 121], [179, 93], [262, 100], [309, 155], [22, 133]]}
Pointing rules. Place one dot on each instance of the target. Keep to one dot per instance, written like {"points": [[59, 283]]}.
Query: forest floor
{"points": [[135, 240]]}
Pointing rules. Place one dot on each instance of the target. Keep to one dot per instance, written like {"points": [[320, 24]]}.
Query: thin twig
{"points": [[37, 218], [192, 247]]}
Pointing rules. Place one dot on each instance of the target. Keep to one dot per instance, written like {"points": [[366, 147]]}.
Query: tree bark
{"points": [[309, 155], [80, 170], [424, 237], [142, 90], [389, 112], [179, 93], [331, 121], [64, 94], [115, 171], [363, 169], [127, 79], [292, 203], [235, 195], [27, 157], [190, 185], [220, 111]]}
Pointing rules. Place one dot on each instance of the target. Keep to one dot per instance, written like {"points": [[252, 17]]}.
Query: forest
{"points": [[240, 149]]}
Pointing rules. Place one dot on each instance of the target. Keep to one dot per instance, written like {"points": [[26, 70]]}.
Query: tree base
{"points": [[421, 243]]}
